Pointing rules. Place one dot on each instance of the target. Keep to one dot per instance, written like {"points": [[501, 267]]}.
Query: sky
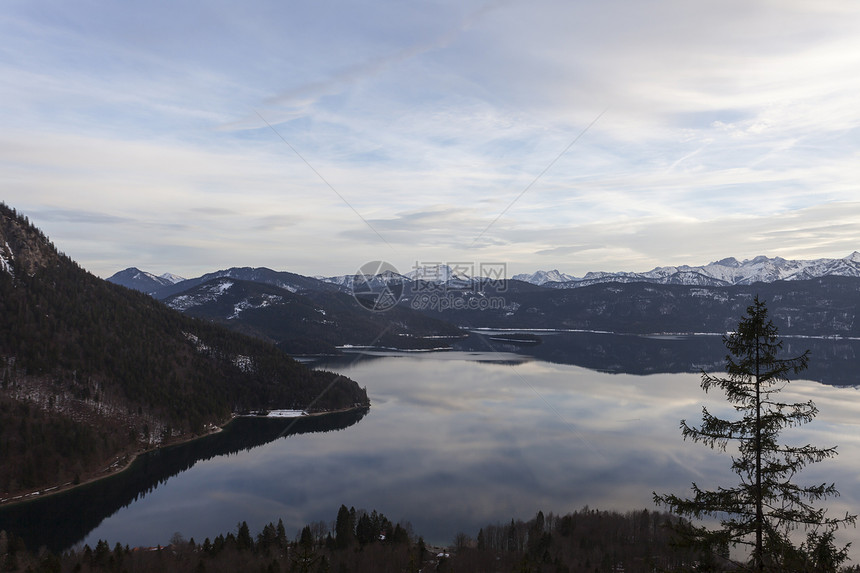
{"points": [[313, 137]]}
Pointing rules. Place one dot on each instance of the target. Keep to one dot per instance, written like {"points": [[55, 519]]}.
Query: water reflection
{"points": [[61, 520], [833, 361], [458, 439]]}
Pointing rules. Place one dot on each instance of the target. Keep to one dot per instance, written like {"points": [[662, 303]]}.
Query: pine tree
{"points": [[305, 556], [344, 533], [243, 536], [766, 506]]}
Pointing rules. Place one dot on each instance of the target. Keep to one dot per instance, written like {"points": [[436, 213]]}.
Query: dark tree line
{"points": [[359, 541]]}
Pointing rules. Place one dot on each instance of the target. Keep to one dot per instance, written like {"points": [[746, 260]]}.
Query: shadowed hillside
{"points": [[90, 370]]}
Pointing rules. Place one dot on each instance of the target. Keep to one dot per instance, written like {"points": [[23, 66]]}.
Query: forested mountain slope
{"points": [[89, 369], [826, 306], [311, 322]]}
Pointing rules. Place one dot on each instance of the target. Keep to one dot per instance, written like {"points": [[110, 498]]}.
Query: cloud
{"points": [[644, 243], [77, 216], [731, 131], [299, 100]]}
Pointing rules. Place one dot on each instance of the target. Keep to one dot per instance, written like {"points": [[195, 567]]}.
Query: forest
{"points": [[358, 541], [91, 371]]}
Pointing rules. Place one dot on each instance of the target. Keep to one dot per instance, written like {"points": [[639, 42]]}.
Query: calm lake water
{"points": [[454, 441]]}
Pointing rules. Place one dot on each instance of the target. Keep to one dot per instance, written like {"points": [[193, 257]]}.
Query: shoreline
{"points": [[121, 463], [305, 413], [124, 460]]}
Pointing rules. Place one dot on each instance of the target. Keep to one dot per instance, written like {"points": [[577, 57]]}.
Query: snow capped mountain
{"points": [[456, 277], [172, 278], [437, 273], [281, 279], [541, 277], [261, 275], [430, 273], [143, 281], [724, 272], [346, 281]]}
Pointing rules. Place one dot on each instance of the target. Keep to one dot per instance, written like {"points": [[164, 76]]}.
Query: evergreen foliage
{"points": [[763, 510], [308, 322], [113, 368], [583, 541]]}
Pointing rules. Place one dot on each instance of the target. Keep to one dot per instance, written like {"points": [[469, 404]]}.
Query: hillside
{"points": [[827, 306], [92, 370], [137, 279], [304, 315], [310, 322]]}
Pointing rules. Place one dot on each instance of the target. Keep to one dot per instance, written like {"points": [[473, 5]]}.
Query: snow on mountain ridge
{"points": [[541, 277], [724, 272], [344, 281], [172, 278], [135, 278], [728, 271], [435, 273], [428, 273]]}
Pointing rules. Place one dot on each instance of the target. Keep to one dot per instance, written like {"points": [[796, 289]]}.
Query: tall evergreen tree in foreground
{"points": [[766, 506]]}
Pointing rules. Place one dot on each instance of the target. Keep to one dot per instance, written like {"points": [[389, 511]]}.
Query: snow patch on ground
{"points": [[199, 345], [512, 308], [183, 302], [100, 404], [242, 305], [204, 295], [286, 413], [6, 258], [243, 363]]}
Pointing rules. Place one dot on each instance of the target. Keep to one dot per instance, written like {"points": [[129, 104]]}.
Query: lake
{"points": [[456, 440]]}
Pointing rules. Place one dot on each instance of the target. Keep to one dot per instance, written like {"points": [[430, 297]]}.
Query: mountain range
{"points": [[303, 316], [137, 279], [724, 272], [436, 308]]}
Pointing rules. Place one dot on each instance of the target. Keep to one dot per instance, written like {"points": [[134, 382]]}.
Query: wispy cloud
{"points": [[77, 216], [733, 132]]}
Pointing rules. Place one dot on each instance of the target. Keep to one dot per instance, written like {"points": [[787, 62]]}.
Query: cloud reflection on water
{"points": [[452, 444]]}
